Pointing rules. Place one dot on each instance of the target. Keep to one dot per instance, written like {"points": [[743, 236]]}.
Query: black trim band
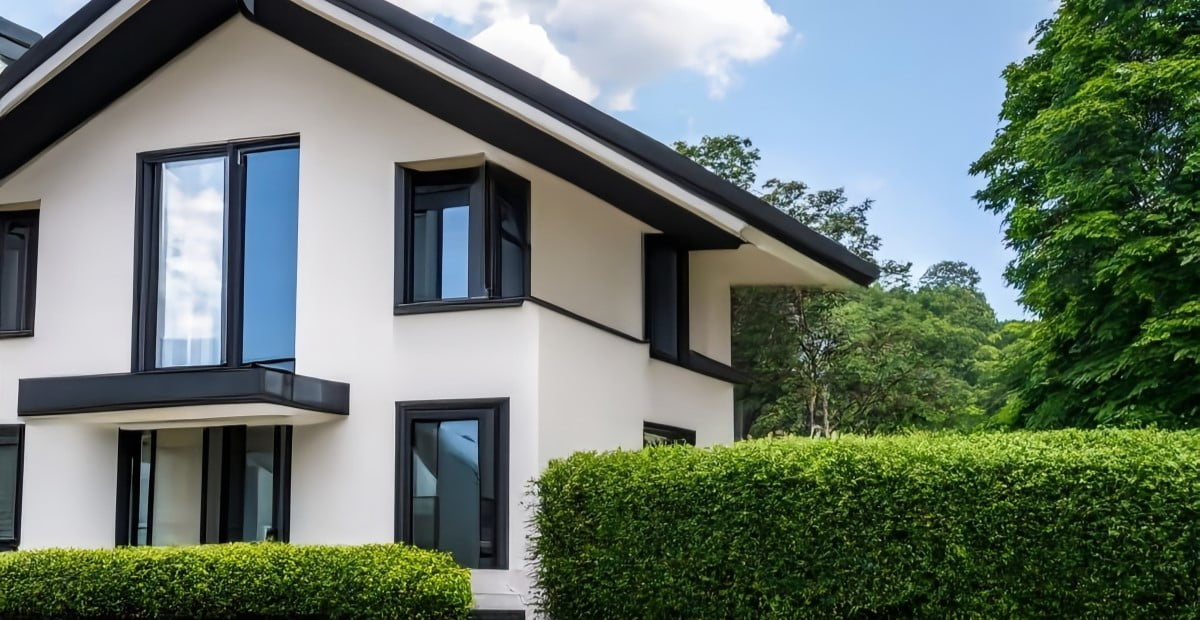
{"points": [[217, 386]]}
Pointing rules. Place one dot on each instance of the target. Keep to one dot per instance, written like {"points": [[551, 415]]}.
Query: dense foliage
{"points": [[897, 355], [1097, 173], [1057, 524], [238, 580]]}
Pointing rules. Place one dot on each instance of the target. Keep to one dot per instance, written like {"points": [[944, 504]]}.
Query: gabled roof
{"points": [[110, 46], [15, 40]]}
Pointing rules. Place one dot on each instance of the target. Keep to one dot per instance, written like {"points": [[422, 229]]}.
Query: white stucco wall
{"points": [[570, 385]]}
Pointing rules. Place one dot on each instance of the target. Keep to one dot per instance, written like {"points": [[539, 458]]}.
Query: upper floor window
{"points": [[461, 235], [18, 270], [217, 254], [666, 298]]}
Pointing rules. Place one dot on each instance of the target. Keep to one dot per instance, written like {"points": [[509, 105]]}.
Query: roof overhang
{"points": [[112, 45]]}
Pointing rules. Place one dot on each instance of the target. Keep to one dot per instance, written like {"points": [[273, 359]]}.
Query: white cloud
{"points": [[608, 49], [528, 46]]}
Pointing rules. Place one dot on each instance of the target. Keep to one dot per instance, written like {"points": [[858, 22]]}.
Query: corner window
{"points": [[11, 457], [451, 473], [190, 486], [18, 270], [661, 435], [461, 236], [666, 298], [217, 256]]}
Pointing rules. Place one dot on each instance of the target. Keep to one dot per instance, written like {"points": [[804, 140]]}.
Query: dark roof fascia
{"points": [[15, 40], [630, 142], [114, 65], [58, 38]]}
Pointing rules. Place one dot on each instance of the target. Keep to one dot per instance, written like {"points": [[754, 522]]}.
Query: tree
{"points": [[1096, 170], [951, 274]]}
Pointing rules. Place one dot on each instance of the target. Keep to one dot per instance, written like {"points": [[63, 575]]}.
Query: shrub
{"points": [[1058, 524], [235, 580]]}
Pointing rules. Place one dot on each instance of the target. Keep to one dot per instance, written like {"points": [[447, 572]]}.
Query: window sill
{"points": [[456, 305], [706, 366], [25, 333]]}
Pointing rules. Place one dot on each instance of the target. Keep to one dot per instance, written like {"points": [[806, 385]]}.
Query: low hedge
{"points": [[235, 580], [1054, 525]]}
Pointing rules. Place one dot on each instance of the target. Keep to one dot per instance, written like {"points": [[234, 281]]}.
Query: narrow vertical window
{"points": [[217, 274], [18, 259], [462, 236], [11, 439], [666, 299], [451, 472], [191, 263], [269, 287]]}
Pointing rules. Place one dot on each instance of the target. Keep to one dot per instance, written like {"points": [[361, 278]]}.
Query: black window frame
{"points": [[411, 412], [229, 487], [28, 217], [673, 434], [658, 320], [484, 264], [146, 250], [9, 433]]}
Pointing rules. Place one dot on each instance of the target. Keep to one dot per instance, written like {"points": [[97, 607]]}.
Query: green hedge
{"points": [[236, 580], [1055, 525]]}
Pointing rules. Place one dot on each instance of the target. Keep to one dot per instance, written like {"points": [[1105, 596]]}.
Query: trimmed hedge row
{"points": [[1054, 525], [235, 580]]}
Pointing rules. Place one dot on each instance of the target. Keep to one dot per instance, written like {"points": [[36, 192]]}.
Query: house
{"points": [[319, 271]]}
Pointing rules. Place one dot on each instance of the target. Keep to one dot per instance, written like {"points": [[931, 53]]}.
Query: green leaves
{"points": [[1062, 524], [1097, 173], [270, 580]]}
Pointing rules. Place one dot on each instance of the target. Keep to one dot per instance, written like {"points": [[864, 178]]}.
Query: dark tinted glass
{"points": [[441, 243], [510, 201], [662, 298], [9, 471], [272, 203], [16, 261], [449, 503]]}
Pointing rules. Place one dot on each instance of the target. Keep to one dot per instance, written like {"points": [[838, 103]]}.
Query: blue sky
{"points": [[892, 100]]}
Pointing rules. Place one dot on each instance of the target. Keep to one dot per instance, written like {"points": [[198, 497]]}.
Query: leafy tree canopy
{"points": [[1097, 174]]}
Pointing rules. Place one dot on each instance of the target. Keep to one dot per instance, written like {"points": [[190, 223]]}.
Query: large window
{"points": [[214, 485], [11, 456], [451, 473], [217, 264], [666, 298], [18, 270], [462, 236]]}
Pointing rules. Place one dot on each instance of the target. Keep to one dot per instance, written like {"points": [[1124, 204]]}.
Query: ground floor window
{"points": [[11, 456], [660, 434], [452, 474], [213, 485]]}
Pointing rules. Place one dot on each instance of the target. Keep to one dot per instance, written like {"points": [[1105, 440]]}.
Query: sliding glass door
{"points": [[190, 486]]}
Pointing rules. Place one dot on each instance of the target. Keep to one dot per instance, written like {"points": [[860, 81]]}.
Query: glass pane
{"points": [[513, 241], [424, 459], [259, 491], [145, 464], [458, 491], [212, 492], [272, 202], [441, 226], [177, 479], [455, 241], [13, 273], [662, 285], [8, 491], [191, 282], [424, 522]]}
